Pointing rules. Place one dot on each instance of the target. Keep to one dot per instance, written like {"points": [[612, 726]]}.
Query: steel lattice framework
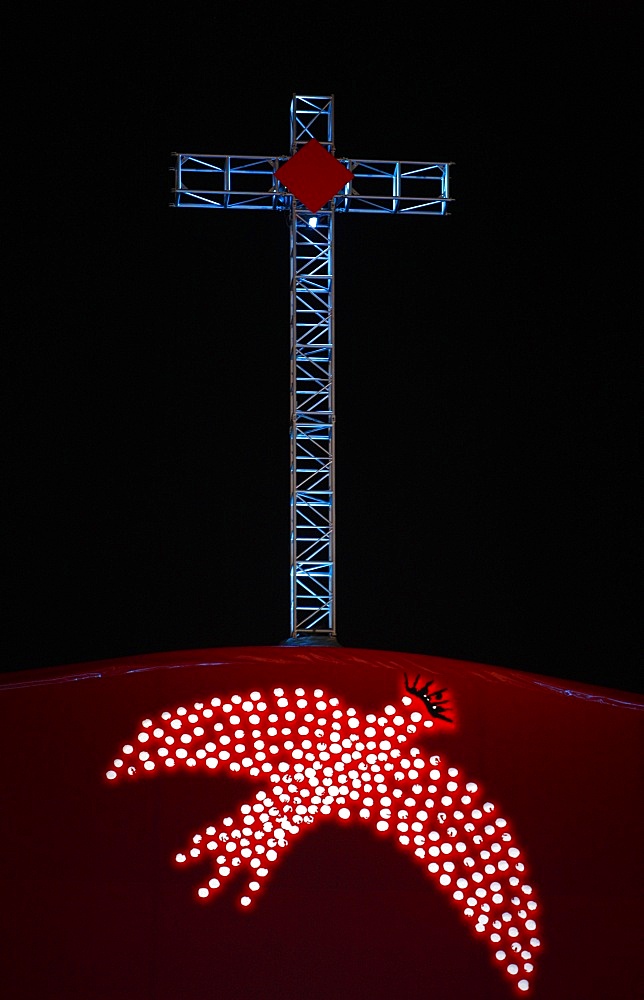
{"points": [[377, 186], [312, 403]]}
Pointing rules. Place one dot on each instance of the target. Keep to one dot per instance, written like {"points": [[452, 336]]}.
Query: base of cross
{"points": [[311, 640]]}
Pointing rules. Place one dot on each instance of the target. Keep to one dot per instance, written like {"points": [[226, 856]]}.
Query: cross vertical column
{"points": [[312, 396]]}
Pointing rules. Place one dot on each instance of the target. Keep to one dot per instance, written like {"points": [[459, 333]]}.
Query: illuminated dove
{"points": [[317, 760]]}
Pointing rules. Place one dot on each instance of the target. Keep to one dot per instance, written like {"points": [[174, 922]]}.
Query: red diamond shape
{"points": [[313, 175]]}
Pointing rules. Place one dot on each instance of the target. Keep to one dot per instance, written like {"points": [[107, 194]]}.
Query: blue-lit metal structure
{"points": [[378, 186]]}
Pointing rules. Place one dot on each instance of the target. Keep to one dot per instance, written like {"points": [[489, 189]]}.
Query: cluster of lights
{"points": [[319, 759]]}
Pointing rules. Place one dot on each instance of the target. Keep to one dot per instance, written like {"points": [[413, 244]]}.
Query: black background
{"points": [[485, 406]]}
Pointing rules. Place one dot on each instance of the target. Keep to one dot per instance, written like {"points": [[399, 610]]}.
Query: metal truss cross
{"points": [[365, 186]]}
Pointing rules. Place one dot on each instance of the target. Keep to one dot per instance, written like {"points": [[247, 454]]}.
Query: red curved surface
{"points": [[349, 861]]}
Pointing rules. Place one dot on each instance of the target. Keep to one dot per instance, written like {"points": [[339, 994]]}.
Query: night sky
{"points": [[485, 404]]}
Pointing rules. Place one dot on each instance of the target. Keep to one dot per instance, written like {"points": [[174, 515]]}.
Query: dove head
{"points": [[435, 704]]}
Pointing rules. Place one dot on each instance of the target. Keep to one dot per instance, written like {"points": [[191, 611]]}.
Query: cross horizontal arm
{"points": [[392, 187]]}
